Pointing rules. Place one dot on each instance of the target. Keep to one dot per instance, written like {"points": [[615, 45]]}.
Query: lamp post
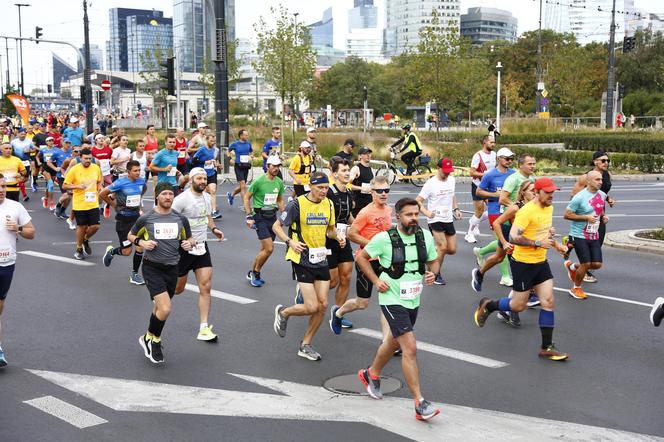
{"points": [[20, 34], [257, 106], [499, 68]]}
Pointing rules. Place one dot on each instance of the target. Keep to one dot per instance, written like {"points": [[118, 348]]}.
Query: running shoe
{"points": [[51, 206], [108, 256], [345, 323], [510, 318], [571, 274], [476, 280], [71, 223], [533, 300], [298, 295], [144, 342], [425, 410], [590, 278], [307, 351], [44, 202], [552, 353], [335, 321], [577, 293], [481, 313], [136, 279], [657, 312], [107, 212], [34, 188], [478, 257], [26, 199], [470, 238], [258, 277], [216, 214], [79, 255], [86, 247], [206, 334], [230, 198], [156, 355], [3, 359], [372, 385], [516, 320], [439, 280], [398, 352], [280, 322], [506, 281], [253, 280]]}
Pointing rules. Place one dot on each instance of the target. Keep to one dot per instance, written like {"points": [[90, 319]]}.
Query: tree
{"points": [[207, 77], [151, 60]]}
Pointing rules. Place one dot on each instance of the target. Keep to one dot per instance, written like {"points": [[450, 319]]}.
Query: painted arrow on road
{"points": [[306, 402]]}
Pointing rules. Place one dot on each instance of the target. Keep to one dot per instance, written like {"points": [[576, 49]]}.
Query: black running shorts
{"points": [[241, 173], [588, 250], [527, 276], [159, 278], [6, 275], [87, 217], [189, 262], [308, 275], [400, 319], [122, 227], [338, 255], [447, 228]]}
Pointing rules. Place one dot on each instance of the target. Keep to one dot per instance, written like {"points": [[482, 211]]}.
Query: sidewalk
{"points": [[627, 239]]}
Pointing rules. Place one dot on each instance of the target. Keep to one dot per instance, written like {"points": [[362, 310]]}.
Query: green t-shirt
{"points": [[380, 247], [513, 182], [265, 192]]}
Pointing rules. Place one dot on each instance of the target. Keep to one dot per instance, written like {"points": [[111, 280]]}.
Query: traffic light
{"points": [[49, 88], [168, 74], [629, 44], [38, 33], [621, 91]]}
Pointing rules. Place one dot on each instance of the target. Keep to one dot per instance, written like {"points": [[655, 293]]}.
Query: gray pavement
{"points": [[71, 331]]}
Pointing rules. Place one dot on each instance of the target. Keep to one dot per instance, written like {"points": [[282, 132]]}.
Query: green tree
{"points": [[151, 60], [207, 77]]}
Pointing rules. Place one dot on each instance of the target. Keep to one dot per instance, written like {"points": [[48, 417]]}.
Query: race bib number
{"points": [[443, 212], [5, 254], [244, 159], [307, 188], [209, 164], [172, 172], [593, 228], [26, 163], [366, 188], [317, 255], [270, 199], [166, 230], [342, 229], [133, 201], [105, 166], [47, 156], [90, 197], [199, 249], [182, 153], [409, 290]]}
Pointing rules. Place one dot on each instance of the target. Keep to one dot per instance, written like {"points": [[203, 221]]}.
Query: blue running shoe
{"points": [[345, 323], [439, 280], [298, 295], [254, 281], [533, 300], [335, 322], [477, 278], [230, 198], [3, 360]]}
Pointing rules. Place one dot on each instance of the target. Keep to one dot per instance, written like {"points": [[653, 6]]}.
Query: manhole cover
{"points": [[350, 385]]}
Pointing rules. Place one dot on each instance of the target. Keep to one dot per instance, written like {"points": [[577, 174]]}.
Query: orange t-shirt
{"points": [[372, 220]]}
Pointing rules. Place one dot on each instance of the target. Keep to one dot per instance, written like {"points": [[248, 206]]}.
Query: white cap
{"points": [[306, 144], [197, 171], [202, 124], [50, 138], [311, 129], [98, 136], [504, 152], [273, 160], [73, 120]]}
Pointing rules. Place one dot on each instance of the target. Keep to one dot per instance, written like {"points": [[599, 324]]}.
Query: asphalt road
{"points": [[71, 331]]}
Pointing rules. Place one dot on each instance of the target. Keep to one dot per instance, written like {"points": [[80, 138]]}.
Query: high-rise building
{"points": [[117, 48], [363, 15], [61, 72], [590, 20], [193, 32], [364, 38], [488, 24], [405, 18], [145, 37], [322, 32], [96, 58]]}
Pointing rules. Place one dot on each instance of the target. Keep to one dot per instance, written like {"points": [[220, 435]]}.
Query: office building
{"points": [[61, 72], [363, 15], [555, 17], [147, 37], [488, 24], [117, 48], [322, 32], [96, 58]]}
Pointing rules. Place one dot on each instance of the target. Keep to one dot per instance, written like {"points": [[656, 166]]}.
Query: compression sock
{"points": [[505, 267], [489, 248], [138, 257], [502, 304], [546, 327], [156, 326], [484, 217]]}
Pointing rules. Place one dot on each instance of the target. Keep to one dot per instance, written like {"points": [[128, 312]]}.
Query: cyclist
{"points": [[411, 145]]}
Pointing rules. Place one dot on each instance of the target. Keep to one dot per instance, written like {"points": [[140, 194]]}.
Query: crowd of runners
{"points": [[331, 220]]}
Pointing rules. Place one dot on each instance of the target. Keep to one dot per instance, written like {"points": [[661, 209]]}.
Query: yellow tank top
{"points": [[311, 226]]}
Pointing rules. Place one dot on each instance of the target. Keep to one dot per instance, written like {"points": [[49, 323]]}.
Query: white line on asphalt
{"points": [[222, 295], [66, 412], [610, 298], [73, 243], [56, 258], [442, 351]]}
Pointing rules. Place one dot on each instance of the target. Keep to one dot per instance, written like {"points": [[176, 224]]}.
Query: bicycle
{"points": [[394, 171]]}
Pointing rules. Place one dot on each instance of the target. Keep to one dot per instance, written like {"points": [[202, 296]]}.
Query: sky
{"points": [[65, 22]]}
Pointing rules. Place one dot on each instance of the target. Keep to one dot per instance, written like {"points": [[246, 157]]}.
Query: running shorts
{"points": [[264, 225], [400, 319], [6, 275], [527, 276], [189, 262], [338, 255], [363, 286], [447, 228], [241, 173], [159, 278], [588, 250], [310, 274], [87, 217]]}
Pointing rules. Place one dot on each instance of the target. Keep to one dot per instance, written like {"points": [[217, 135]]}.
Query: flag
{"points": [[22, 106]]}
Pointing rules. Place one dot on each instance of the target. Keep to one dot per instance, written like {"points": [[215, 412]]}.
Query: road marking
{"points": [[610, 298], [66, 412], [307, 402], [442, 351], [56, 258], [222, 295], [73, 243]]}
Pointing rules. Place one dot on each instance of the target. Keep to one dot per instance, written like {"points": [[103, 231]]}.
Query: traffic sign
{"points": [[105, 85], [545, 93]]}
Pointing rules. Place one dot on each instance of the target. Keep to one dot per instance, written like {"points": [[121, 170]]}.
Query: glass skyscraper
{"points": [[117, 47]]}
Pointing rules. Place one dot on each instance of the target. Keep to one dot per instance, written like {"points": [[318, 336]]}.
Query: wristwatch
{"points": [[538, 243], [20, 229]]}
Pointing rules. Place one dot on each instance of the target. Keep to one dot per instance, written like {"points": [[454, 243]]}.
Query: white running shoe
{"points": [[470, 238], [506, 281], [478, 257], [71, 223]]}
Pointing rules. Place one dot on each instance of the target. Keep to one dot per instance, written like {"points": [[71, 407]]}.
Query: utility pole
{"points": [[540, 86], [221, 79], [612, 61], [178, 74], [7, 58], [20, 34], [86, 69]]}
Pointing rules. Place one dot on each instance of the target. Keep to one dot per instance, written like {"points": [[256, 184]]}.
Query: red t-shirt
{"points": [[103, 157], [181, 147], [151, 145], [57, 138]]}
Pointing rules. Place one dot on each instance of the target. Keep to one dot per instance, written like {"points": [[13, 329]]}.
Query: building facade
{"points": [[61, 72], [117, 48], [322, 32], [147, 37], [590, 20], [488, 24], [363, 15], [96, 58]]}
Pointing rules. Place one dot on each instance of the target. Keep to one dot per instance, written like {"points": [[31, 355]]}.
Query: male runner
{"points": [[206, 158], [525, 171], [13, 171], [44, 156], [300, 168], [181, 144], [102, 152], [361, 175], [127, 192], [311, 219], [196, 205], [23, 149], [271, 147], [119, 158], [408, 256], [241, 150], [58, 163], [165, 163], [442, 209], [15, 222], [532, 236], [346, 151], [481, 162], [160, 233], [261, 201], [139, 155], [74, 133]]}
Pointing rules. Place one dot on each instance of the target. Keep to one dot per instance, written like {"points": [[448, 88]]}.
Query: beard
{"points": [[411, 229]]}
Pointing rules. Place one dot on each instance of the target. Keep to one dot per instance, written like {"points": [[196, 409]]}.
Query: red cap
{"points": [[446, 165], [546, 184]]}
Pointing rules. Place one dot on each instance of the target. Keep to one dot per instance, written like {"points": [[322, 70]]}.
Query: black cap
{"points": [[350, 142], [364, 149], [599, 154]]}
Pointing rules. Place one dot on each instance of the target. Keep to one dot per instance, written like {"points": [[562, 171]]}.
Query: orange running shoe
{"points": [[577, 293]]}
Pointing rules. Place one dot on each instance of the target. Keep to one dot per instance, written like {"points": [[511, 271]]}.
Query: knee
{"points": [[596, 265], [322, 307], [518, 305], [409, 350], [204, 288], [268, 249], [547, 303], [450, 250], [164, 311]]}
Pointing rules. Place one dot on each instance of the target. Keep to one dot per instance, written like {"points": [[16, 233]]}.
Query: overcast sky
{"points": [[63, 20]]}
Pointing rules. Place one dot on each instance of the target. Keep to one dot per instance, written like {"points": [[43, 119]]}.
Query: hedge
{"points": [[647, 163]]}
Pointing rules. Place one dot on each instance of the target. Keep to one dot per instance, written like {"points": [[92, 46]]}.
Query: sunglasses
{"points": [[605, 160], [381, 190], [508, 158]]}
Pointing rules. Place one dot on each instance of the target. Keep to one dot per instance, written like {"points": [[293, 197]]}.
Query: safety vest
{"points": [[416, 146], [310, 227], [398, 265]]}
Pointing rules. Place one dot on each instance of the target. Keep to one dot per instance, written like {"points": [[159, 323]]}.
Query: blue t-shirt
{"points": [[58, 158], [586, 203], [45, 154], [242, 151], [204, 157], [163, 158], [268, 148], [75, 135], [128, 195], [21, 148], [492, 181]]}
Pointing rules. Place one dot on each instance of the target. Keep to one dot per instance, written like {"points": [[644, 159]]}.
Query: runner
{"points": [[165, 163], [126, 202], [139, 155], [102, 152], [272, 147], [300, 169], [656, 313], [119, 159], [311, 220], [205, 157], [531, 235], [58, 163], [160, 233], [361, 175], [74, 133], [526, 171], [241, 150], [586, 211], [17, 222], [408, 256], [45, 154], [85, 180], [196, 205], [181, 144], [347, 151], [261, 202], [442, 210], [13, 171], [482, 161], [23, 149]]}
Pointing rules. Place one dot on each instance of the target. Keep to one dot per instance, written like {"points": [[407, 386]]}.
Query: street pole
{"points": [[539, 62], [366, 106], [499, 68], [256, 100], [7, 58], [611, 76], [2, 86], [221, 80], [294, 119], [178, 102], [86, 70], [20, 34]]}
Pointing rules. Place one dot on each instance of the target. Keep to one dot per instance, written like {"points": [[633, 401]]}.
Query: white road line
{"points": [[442, 351], [66, 412], [222, 295], [73, 243], [56, 258], [610, 298]]}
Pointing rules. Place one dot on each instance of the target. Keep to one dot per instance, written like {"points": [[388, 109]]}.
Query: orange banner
{"points": [[22, 106]]}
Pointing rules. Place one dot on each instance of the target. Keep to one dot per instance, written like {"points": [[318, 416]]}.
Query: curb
{"points": [[627, 239]]}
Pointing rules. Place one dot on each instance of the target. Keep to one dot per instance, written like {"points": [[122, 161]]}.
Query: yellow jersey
{"points": [[302, 168], [11, 168], [536, 222], [308, 224], [88, 198]]}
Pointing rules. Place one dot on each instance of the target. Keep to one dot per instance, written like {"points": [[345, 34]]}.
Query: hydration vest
{"points": [[398, 266]]}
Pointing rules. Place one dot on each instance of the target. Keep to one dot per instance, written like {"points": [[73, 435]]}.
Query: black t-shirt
{"points": [[343, 203], [344, 155]]}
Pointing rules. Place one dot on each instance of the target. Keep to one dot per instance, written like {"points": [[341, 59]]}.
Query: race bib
{"points": [[26, 163], [592, 228], [166, 230], [172, 172], [270, 199], [5, 254], [105, 166], [409, 290], [317, 255], [244, 159], [342, 229], [47, 156], [209, 164], [90, 197], [199, 249], [133, 201], [182, 153], [366, 188], [442, 212]]}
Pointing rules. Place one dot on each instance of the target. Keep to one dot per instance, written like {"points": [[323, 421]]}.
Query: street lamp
{"points": [[20, 34], [499, 68]]}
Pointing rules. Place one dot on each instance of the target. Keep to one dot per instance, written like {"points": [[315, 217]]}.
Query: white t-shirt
{"points": [[439, 196], [143, 161], [118, 154], [488, 162], [196, 209], [10, 210]]}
